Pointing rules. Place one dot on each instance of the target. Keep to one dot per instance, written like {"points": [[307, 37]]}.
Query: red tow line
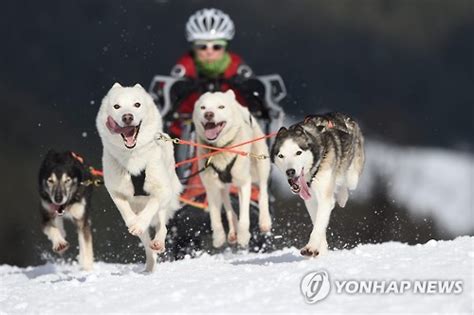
{"points": [[220, 150], [215, 150]]}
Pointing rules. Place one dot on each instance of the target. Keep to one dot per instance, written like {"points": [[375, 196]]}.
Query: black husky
{"points": [[65, 187]]}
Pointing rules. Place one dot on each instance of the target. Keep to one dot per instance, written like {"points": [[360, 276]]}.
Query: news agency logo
{"points": [[316, 286]]}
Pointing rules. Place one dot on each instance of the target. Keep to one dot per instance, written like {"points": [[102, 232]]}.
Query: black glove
{"points": [[253, 92]]}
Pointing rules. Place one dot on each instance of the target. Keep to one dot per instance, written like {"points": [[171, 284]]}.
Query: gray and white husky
{"points": [[323, 158], [139, 171]]}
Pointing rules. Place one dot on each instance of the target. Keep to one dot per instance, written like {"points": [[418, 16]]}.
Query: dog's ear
{"points": [[116, 85], [308, 119], [300, 130], [138, 85], [282, 131], [46, 164], [230, 93]]}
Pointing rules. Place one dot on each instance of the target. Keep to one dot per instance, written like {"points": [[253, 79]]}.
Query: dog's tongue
{"points": [[304, 188], [211, 132], [129, 139], [115, 128]]}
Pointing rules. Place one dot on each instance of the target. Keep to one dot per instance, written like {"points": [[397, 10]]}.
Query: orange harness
{"points": [[216, 150], [194, 187]]}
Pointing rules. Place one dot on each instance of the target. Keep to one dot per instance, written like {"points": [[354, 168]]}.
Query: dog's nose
{"points": [[209, 115], [58, 198], [127, 119], [290, 172]]}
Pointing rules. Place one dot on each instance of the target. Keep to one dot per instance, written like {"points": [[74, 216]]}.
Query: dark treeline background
{"points": [[403, 68]]}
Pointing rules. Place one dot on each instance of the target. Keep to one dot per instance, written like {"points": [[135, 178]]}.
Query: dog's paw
{"points": [[139, 226], [232, 237], [218, 238], [157, 246], [60, 247], [243, 238], [313, 251], [308, 251], [136, 229]]}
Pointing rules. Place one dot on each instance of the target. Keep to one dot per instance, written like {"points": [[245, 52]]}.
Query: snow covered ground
{"points": [[246, 283]]}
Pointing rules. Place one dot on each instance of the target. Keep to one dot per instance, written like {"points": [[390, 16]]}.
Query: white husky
{"points": [[139, 172], [221, 121]]}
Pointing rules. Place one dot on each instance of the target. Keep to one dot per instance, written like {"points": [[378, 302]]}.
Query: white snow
{"points": [[245, 283]]}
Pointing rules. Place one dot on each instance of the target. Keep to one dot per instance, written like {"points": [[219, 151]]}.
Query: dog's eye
{"points": [[299, 152], [221, 106], [67, 180], [280, 156], [116, 106], [137, 105], [203, 107], [50, 181]]}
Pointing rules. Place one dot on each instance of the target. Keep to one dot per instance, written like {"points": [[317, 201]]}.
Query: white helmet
{"points": [[209, 24]]}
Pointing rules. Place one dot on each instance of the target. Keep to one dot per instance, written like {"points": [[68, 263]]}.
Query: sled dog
{"points": [[220, 121], [139, 171], [323, 158], [65, 192]]}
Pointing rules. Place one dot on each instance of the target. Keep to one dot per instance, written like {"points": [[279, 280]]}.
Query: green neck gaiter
{"points": [[213, 69]]}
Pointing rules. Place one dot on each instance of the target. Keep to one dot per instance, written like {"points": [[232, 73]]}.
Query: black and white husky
{"points": [[139, 171], [323, 158], [65, 192]]}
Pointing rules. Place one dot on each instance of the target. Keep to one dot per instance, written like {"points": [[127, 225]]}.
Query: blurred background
{"points": [[403, 69]]}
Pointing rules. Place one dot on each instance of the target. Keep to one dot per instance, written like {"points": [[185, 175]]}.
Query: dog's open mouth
{"points": [[212, 129], [299, 186], [129, 134], [58, 209]]}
